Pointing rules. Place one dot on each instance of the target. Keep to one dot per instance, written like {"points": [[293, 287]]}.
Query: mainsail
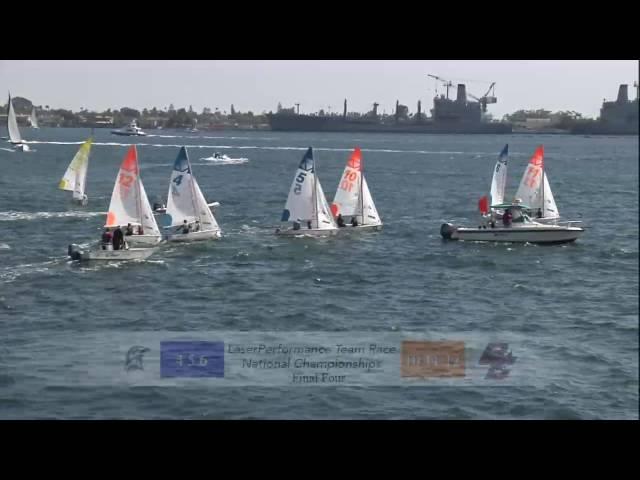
{"points": [[534, 190], [129, 202], [75, 177], [185, 200], [499, 180], [34, 119], [353, 198], [12, 124]]}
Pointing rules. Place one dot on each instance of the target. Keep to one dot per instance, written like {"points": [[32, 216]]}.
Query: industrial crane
{"points": [[446, 83], [485, 99]]}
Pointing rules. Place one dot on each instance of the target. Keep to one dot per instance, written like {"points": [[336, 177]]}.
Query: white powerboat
{"points": [[84, 255], [132, 130], [521, 229]]}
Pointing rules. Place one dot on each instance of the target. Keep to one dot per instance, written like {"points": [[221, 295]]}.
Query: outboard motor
{"points": [[446, 230], [74, 251]]}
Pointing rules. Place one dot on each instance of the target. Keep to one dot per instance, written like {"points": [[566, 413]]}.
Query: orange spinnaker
{"points": [[111, 219], [130, 162], [538, 157], [355, 161]]}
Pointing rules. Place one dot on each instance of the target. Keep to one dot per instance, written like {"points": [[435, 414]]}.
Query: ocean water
{"points": [[574, 307]]}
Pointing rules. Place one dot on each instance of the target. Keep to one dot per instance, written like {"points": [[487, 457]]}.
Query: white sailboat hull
{"points": [[194, 236], [350, 228], [528, 234], [21, 147], [307, 232], [143, 240], [78, 254]]}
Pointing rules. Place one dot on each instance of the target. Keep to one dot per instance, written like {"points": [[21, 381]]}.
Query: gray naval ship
{"points": [[619, 117], [459, 115]]}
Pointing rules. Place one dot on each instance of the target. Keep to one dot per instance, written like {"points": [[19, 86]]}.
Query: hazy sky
{"points": [[259, 85]]}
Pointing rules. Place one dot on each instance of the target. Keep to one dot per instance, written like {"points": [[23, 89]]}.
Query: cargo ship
{"points": [[459, 116], [619, 117]]}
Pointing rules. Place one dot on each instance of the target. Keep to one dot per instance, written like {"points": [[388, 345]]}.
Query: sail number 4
{"points": [[299, 181]]}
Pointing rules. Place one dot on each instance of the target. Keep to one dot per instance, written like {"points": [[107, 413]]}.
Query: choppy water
{"points": [[577, 303]]}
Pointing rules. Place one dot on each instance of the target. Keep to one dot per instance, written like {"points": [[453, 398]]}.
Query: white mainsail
{"points": [[499, 180], [129, 202], [34, 119], [75, 177], [353, 198], [370, 216], [185, 200], [299, 205], [12, 124], [323, 218], [534, 190]]}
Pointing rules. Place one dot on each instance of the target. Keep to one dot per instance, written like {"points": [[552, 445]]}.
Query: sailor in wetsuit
{"points": [[354, 222], [340, 221], [118, 239], [129, 230]]}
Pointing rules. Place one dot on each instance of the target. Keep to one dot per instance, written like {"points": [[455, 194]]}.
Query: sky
{"points": [[259, 85]]}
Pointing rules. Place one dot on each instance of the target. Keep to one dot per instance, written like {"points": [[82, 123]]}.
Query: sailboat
{"points": [[33, 119], [14, 132], [129, 204], [188, 216], [534, 190], [306, 203], [498, 185], [499, 179], [353, 198], [75, 178]]}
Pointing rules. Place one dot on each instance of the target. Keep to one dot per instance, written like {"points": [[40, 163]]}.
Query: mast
{"points": [[362, 188], [544, 209], [315, 193], [193, 188], [139, 190]]}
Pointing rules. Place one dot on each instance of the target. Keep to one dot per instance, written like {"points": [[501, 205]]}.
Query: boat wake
{"points": [[13, 216], [263, 147], [12, 273]]}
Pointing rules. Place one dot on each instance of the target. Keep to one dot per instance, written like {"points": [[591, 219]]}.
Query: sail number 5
{"points": [[299, 181]]}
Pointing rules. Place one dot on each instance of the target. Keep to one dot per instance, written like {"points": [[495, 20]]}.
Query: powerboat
{"points": [[132, 130], [521, 229]]}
